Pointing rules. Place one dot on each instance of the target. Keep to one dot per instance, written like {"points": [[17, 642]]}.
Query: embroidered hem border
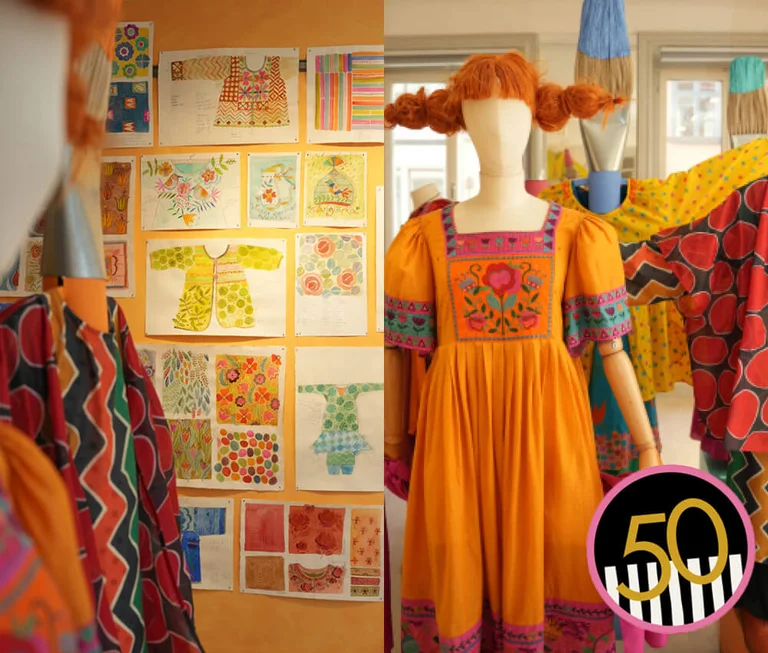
{"points": [[409, 325], [566, 626], [595, 318]]}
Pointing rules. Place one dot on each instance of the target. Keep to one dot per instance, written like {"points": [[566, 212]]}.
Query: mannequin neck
{"points": [[501, 204]]}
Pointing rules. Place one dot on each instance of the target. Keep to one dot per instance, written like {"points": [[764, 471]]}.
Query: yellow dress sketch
{"points": [[218, 282]]}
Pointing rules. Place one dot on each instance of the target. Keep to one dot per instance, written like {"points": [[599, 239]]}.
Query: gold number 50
{"points": [[633, 545]]}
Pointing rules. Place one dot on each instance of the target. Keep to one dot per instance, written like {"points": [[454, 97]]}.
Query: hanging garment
{"points": [[46, 605], [218, 282], [340, 440], [504, 482], [82, 396], [248, 98], [717, 269]]}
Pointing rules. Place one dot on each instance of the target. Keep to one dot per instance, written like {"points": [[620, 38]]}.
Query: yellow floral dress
{"points": [[218, 282], [504, 478]]}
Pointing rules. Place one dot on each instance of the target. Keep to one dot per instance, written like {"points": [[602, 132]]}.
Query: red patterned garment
{"points": [[83, 397], [717, 269]]}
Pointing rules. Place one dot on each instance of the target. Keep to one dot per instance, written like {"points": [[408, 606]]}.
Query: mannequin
{"points": [[482, 286], [424, 194]]}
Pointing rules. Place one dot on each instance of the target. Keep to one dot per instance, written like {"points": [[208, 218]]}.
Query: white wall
{"points": [[444, 17]]}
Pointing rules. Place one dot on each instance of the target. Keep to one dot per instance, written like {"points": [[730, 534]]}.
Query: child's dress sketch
{"points": [[215, 282], [340, 439], [248, 98]]}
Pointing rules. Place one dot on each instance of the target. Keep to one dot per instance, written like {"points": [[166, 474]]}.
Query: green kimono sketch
{"points": [[340, 439]]}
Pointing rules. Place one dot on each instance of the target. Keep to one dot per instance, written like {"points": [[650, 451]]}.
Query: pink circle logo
{"points": [[671, 549]]}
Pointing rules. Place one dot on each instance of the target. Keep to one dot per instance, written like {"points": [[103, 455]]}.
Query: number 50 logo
{"points": [[671, 549]]}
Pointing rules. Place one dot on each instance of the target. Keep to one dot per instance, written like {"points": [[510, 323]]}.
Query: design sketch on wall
{"points": [[335, 189], [306, 551], [23, 278], [274, 182], [216, 287], [339, 417], [207, 538], [10, 280], [331, 294], [228, 96], [345, 94], [129, 114], [118, 189], [380, 254], [225, 412], [198, 191]]}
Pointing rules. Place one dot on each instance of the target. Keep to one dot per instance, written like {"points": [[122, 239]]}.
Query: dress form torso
{"points": [[499, 130]]}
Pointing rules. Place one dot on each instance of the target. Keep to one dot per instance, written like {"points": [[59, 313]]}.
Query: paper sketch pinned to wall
{"points": [[118, 189], [331, 279], [380, 252], [129, 114], [216, 287], [229, 96], [207, 538], [339, 419], [311, 551], [274, 183], [345, 94], [23, 278], [224, 407], [196, 191], [335, 189]]}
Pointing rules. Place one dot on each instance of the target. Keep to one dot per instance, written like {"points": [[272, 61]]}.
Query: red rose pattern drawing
{"points": [[314, 530]]}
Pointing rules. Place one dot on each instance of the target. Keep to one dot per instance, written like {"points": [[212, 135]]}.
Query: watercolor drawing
{"points": [[340, 440], [248, 390], [116, 194], [207, 539], [315, 530], [349, 91], [129, 108], [197, 523], [264, 527], [33, 279], [335, 188], [116, 264], [329, 265], [265, 573], [185, 389], [148, 360], [273, 183], [191, 440], [328, 579], [366, 546], [249, 98], [9, 280], [248, 457], [195, 192], [133, 54]]}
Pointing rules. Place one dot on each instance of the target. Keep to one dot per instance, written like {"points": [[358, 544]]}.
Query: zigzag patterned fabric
{"points": [[83, 397]]}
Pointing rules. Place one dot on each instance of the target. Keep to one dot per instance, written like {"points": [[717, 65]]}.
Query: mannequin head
{"points": [[424, 194], [496, 99], [41, 42]]}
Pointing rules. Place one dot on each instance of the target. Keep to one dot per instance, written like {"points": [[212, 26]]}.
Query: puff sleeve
{"points": [[595, 299], [409, 292]]}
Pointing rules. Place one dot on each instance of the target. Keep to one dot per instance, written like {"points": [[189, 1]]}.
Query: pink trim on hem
{"points": [[397, 477]]}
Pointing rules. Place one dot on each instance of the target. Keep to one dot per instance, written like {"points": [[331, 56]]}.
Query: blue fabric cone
{"points": [[603, 32], [747, 75]]}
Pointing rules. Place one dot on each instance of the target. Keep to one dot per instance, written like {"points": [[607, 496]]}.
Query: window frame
{"points": [[432, 60], [659, 52]]}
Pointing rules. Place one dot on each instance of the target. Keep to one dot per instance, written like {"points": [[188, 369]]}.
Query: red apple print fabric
{"points": [[315, 530], [717, 269]]}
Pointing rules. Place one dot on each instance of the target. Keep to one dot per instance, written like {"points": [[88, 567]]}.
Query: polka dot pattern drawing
{"points": [[248, 457]]}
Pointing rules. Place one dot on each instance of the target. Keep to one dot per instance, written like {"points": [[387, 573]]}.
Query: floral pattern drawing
{"points": [[128, 110], [33, 280], [191, 439], [187, 190], [334, 187], [323, 580], [115, 197], [148, 359], [272, 189], [9, 280], [315, 530], [185, 388], [330, 265], [248, 390], [133, 57], [500, 299], [365, 551], [248, 457]]}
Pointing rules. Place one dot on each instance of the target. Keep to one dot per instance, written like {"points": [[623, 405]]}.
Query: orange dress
{"points": [[504, 479]]}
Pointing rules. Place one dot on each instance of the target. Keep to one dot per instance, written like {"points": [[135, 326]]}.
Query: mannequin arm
{"points": [[397, 368], [621, 377]]}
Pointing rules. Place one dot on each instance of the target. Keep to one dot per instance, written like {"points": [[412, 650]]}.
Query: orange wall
{"points": [[231, 622]]}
